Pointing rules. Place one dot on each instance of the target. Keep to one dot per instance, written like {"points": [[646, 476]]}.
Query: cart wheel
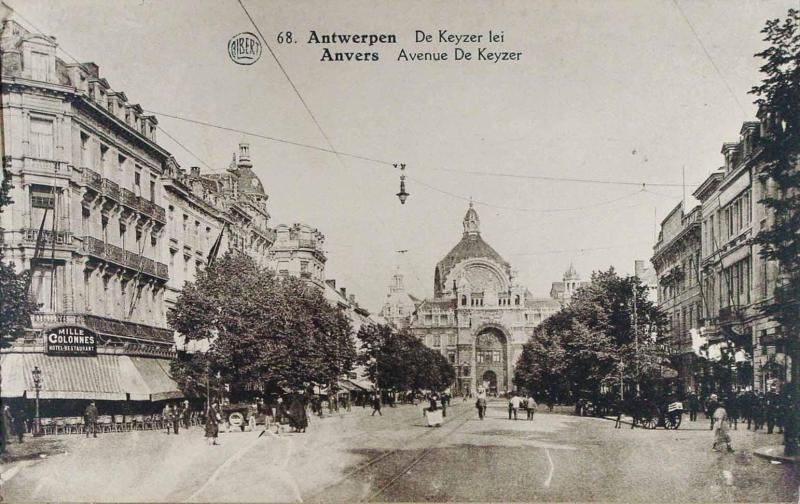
{"points": [[672, 421], [649, 422]]}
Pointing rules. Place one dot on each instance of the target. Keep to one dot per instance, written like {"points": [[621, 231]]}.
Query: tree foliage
{"points": [[264, 329], [16, 305], [593, 341], [399, 361], [778, 99]]}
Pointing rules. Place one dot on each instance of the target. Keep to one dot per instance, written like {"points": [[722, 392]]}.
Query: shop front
{"points": [[69, 366]]}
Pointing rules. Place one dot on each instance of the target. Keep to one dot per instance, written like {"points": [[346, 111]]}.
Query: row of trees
{"points": [[399, 361], [265, 331], [604, 337]]}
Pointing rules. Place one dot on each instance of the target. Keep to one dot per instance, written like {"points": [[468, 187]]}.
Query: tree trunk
{"points": [[791, 428]]}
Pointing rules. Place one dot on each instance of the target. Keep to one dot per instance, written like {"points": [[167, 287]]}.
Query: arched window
{"points": [[516, 300], [463, 300]]}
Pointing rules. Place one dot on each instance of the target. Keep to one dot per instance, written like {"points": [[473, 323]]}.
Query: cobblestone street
{"points": [[354, 456]]}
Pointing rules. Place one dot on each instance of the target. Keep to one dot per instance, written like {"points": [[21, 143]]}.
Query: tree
{"points": [[399, 361], [778, 99], [605, 335], [16, 305], [264, 330]]}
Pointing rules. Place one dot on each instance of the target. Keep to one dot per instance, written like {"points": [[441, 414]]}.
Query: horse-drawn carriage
{"points": [[650, 415]]}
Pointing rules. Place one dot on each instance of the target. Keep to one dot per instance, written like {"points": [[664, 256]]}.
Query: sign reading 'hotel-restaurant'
{"points": [[70, 340]]}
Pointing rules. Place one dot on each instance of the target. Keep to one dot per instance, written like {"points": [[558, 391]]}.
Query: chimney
{"points": [[343, 292], [195, 171]]}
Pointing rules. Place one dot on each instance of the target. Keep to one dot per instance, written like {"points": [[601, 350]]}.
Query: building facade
{"points": [[298, 252], [399, 306], [676, 258], [86, 170], [570, 283], [479, 317], [737, 282]]}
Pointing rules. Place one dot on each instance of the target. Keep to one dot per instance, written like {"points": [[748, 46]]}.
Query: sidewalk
{"points": [[775, 453]]}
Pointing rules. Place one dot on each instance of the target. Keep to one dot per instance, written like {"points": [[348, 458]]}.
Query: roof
{"points": [[471, 246]]}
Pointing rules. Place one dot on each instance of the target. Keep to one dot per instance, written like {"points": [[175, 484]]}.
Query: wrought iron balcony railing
{"points": [[107, 252], [105, 326]]}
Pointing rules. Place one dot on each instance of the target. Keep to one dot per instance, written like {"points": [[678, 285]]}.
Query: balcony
{"points": [[49, 237], [129, 199], [105, 326], [110, 190], [45, 166], [92, 179], [152, 210], [131, 260], [730, 315]]}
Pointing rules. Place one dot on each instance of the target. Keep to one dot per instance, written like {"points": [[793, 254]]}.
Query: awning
{"points": [[155, 373], [101, 377], [349, 386]]}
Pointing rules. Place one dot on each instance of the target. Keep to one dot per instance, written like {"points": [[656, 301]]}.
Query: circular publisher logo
{"points": [[244, 48]]}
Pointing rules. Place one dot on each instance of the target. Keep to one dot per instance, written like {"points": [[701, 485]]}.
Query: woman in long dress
{"points": [[721, 435], [213, 417], [298, 418]]}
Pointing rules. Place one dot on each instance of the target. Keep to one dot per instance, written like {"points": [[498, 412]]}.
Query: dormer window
{"points": [[40, 66]]}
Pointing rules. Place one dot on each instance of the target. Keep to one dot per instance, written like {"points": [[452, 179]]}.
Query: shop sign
{"points": [[70, 340]]}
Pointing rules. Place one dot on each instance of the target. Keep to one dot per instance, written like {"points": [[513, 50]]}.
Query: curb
{"points": [[775, 453]]}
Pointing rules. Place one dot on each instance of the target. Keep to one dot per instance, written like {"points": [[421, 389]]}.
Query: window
{"points": [[85, 153], [152, 189], [137, 182], [185, 221], [437, 341], [121, 161], [41, 141], [42, 197], [451, 339], [303, 266], [40, 66], [463, 300], [451, 357]]}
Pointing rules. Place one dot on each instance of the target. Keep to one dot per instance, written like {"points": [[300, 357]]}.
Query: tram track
{"points": [[386, 456]]}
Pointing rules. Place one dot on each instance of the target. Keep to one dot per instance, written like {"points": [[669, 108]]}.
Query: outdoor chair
{"points": [[119, 423], [138, 422], [104, 423], [80, 425], [60, 426], [71, 425], [149, 422], [47, 426]]}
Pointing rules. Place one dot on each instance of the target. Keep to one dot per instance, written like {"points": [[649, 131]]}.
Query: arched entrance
{"points": [[491, 359], [490, 382]]}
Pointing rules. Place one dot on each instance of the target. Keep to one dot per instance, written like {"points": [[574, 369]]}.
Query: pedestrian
{"points": [[619, 405], [711, 407], [90, 419], [376, 405], [530, 405], [481, 403], [444, 405], [694, 406], [176, 418], [252, 410], [186, 415], [213, 418], [514, 404], [298, 418], [721, 435], [20, 420], [8, 424], [771, 408], [281, 415], [733, 410], [758, 411], [167, 416]]}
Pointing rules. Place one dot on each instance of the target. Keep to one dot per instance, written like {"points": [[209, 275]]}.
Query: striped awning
{"points": [[155, 373], [101, 377]]}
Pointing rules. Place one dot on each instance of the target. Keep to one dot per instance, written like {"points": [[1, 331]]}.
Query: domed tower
{"points": [[472, 259]]}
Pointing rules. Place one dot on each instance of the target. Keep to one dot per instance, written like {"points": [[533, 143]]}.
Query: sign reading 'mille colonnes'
{"points": [[70, 340]]}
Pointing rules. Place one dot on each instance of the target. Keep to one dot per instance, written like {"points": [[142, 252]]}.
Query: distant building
{"points": [[564, 290], [479, 317], [676, 257], [298, 252], [399, 306]]}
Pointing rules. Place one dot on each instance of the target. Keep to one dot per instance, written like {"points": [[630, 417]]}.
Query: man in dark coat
{"points": [[19, 424], [772, 407], [711, 407], [90, 419], [694, 406], [376, 405], [213, 418]]}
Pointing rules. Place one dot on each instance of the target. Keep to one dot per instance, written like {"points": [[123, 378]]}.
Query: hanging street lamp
{"points": [[402, 195]]}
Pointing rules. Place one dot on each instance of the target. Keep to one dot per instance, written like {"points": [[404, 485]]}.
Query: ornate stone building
{"points": [[479, 317], [676, 257], [399, 306], [564, 290]]}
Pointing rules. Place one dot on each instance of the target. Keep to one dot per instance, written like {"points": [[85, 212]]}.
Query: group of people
{"points": [[757, 409], [516, 402]]}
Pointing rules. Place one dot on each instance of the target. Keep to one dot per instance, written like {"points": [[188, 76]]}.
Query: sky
{"points": [[614, 90]]}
